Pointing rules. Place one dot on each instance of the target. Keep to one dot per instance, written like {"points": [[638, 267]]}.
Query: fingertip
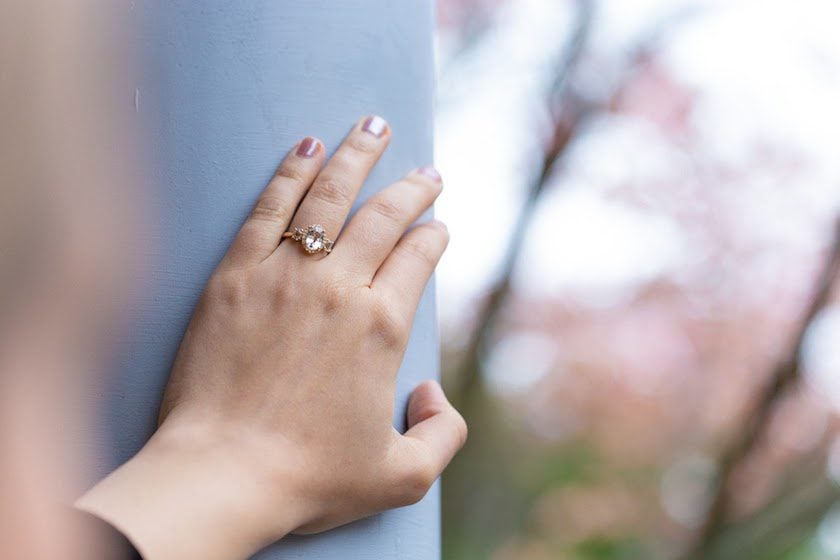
{"points": [[430, 172], [442, 233], [433, 419], [375, 125], [309, 147], [438, 224], [427, 399], [430, 388]]}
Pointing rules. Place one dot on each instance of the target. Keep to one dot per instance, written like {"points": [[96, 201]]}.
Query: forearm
{"points": [[187, 501]]}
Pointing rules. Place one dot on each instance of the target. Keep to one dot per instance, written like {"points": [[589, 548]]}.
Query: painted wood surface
{"points": [[226, 89]]}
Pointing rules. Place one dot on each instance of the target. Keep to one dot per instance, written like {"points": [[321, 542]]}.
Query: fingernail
{"points": [[430, 172], [308, 147], [375, 125]]}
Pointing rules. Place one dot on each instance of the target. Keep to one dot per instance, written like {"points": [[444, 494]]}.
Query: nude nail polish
{"points": [[430, 172], [308, 147], [375, 125]]}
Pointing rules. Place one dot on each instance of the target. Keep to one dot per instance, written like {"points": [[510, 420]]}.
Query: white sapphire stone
{"points": [[313, 241]]}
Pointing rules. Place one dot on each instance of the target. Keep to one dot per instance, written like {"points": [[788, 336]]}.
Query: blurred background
{"points": [[638, 307]]}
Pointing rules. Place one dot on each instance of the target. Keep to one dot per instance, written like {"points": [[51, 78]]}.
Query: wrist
{"points": [[194, 493]]}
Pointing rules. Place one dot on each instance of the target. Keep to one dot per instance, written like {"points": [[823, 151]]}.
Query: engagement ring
{"points": [[313, 238]]}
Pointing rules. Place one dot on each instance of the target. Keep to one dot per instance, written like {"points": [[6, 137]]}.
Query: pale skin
{"points": [[277, 417]]}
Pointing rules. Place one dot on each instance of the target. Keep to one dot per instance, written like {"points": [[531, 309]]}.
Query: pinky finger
{"points": [[403, 276]]}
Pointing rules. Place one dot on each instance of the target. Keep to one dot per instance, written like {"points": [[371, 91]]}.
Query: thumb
{"points": [[435, 426]]}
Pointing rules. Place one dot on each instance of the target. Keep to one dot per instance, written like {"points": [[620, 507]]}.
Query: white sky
{"points": [[765, 70]]}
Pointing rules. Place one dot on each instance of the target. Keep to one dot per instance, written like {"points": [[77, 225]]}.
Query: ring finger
{"points": [[331, 196]]}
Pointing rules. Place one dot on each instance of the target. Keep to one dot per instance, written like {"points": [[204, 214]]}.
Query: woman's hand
{"points": [[277, 416]]}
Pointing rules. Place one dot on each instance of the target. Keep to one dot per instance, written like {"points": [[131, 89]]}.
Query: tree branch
{"points": [[568, 112], [783, 376], [566, 118]]}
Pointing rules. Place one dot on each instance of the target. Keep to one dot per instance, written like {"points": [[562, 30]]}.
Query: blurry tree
{"points": [[690, 459]]}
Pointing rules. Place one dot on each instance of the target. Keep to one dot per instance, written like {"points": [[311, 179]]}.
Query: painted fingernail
{"points": [[308, 147], [375, 125], [430, 172]]}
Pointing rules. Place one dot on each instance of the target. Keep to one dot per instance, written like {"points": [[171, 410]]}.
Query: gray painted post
{"points": [[227, 89]]}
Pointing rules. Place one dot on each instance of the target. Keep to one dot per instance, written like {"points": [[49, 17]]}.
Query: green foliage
{"points": [[572, 464], [608, 549]]}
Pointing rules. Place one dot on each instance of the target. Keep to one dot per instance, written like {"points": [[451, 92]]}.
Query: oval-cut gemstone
{"points": [[314, 240]]}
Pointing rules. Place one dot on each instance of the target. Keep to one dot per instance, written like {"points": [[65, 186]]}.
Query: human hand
{"points": [[277, 416]]}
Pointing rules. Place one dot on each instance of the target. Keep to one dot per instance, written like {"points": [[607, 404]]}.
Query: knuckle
{"points": [[333, 297], [386, 208], [362, 144], [462, 429], [270, 208], [291, 172], [415, 482], [389, 326], [283, 290], [418, 249], [332, 191]]}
